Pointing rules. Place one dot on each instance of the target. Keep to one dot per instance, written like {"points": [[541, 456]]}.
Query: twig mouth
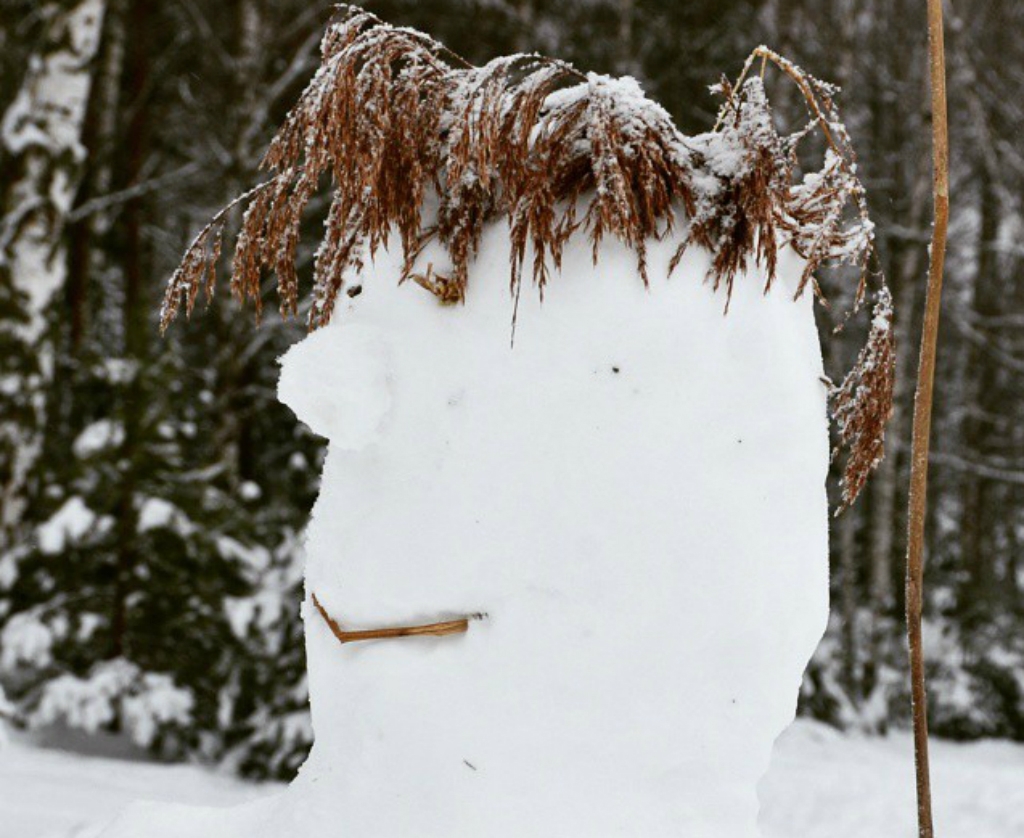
{"points": [[441, 629]]}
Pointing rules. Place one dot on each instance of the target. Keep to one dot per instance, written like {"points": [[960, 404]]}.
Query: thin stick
{"points": [[923, 416], [432, 630]]}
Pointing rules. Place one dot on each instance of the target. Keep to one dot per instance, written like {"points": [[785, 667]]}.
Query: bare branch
{"points": [[989, 471], [122, 196]]}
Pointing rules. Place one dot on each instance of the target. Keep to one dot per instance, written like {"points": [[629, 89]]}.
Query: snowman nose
{"points": [[442, 629]]}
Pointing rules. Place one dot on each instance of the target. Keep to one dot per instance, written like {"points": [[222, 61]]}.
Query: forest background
{"points": [[153, 492]]}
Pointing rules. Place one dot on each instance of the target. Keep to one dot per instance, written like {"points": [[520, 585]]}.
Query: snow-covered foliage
{"points": [[143, 598], [975, 684], [27, 639], [73, 522], [100, 435], [116, 689], [270, 732]]}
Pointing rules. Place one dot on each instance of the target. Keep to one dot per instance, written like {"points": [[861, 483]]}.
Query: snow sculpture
{"points": [[635, 496], [627, 503]]}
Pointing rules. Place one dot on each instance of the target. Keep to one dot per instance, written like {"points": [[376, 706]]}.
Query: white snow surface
{"points": [[821, 784], [57, 794], [634, 494]]}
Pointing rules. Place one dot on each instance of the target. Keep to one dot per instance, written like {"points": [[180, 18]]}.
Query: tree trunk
{"points": [[524, 38], [100, 138], [627, 63], [135, 314], [847, 526], [40, 144], [885, 483], [982, 399]]}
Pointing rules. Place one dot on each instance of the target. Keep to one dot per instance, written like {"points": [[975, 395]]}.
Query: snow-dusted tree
{"points": [[269, 49], [140, 564], [878, 52], [121, 610]]}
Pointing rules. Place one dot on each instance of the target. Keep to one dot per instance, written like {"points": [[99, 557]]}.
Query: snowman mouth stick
{"points": [[443, 629]]}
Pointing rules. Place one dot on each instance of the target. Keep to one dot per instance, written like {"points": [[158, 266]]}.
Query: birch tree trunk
{"points": [[42, 153], [41, 136]]}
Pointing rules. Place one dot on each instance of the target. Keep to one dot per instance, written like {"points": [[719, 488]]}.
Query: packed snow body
{"points": [[633, 494]]}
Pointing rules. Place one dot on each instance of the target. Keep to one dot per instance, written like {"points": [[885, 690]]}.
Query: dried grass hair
{"points": [[392, 117]]}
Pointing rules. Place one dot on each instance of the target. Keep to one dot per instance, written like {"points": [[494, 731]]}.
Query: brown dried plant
{"points": [[862, 404], [395, 123]]}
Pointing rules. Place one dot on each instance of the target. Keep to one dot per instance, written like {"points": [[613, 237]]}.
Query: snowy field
{"points": [[821, 784]]}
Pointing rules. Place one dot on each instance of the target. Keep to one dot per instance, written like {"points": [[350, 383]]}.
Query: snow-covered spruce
{"points": [[631, 497], [146, 603]]}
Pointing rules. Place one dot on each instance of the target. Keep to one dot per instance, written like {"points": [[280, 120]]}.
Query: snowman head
{"points": [[630, 494]]}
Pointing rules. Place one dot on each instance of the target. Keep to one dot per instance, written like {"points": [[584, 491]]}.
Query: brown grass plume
{"points": [[393, 121]]}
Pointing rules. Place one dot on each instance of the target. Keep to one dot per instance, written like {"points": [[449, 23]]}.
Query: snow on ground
{"points": [[821, 785], [57, 794]]}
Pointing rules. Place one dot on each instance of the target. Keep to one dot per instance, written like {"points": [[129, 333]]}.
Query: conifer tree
{"points": [[152, 586]]}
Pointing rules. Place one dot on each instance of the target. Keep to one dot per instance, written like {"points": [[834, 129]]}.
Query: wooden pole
{"points": [[923, 415]]}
